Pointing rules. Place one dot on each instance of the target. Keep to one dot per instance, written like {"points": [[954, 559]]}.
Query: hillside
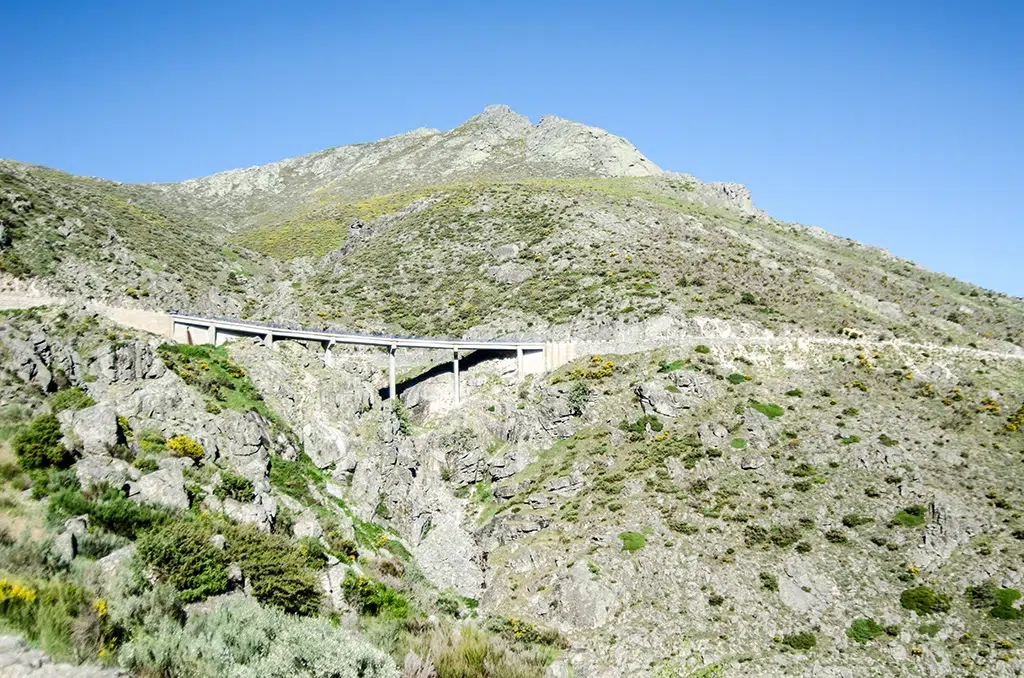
{"points": [[780, 452]]}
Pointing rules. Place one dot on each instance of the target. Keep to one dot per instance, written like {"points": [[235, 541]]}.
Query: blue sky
{"points": [[898, 124]]}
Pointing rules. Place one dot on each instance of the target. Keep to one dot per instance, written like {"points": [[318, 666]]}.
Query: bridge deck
{"points": [[278, 332]]}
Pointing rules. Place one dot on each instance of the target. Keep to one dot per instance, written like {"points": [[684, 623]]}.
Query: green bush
{"points": [[800, 641], [234, 486], [579, 395], [637, 429], [701, 348], [924, 600], [632, 541], [769, 410], [276, 568], [769, 581], [864, 629], [836, 536], [70, 399], [738, 444], [181, 554], [374, 598], [519, 631], [39, 445], [244, 639], [856, 520], [736, 378], [1003, 608], [111, 511], [910, 516]]}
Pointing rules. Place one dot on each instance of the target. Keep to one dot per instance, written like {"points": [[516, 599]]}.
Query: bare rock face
{"points": [[327, 445], [804, 590], [128, 362], [583, 602], [94, 470], [163, 487], [94, 428]]}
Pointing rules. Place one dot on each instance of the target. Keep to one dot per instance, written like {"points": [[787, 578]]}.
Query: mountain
{"points": [[780, 452]]}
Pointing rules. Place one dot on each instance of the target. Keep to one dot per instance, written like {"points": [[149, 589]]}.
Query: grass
{"points": [[770, 410], [910, 516]]}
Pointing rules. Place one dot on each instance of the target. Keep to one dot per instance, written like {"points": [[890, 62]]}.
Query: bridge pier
{"points": [[211, 335], [391, 372], [519, 362], [268, 340], [455, 369], [328, 354]]}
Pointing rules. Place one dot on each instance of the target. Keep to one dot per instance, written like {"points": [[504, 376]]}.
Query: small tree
{"points": [[579, 395]]}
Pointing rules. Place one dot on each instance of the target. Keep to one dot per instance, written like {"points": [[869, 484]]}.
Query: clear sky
{"points": [[898, 124]]}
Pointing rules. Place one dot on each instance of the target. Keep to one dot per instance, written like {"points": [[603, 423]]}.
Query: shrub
{"points": [[181, 554], [638, 428], [856, 520], [579, 394], [910, 516], [701, 348], [748, 298], [736, 378], [795, 393], [112, 511], [982, 595], [39, 445], [632, 541], [769, 410], [70, 399], [277, 570], [183, 446], [800, 641], [468, 652], [803, 470], [836, 536], [374, 598], [864, 629], [98, 544], [769, 581], [1003, 608], [519, 631], [313, 553], [234, 486], [244, 639], [738, 443], [924, 600], [49, 613]]}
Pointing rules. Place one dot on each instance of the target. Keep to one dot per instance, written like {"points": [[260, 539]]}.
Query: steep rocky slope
{"points": [[780, 452]]}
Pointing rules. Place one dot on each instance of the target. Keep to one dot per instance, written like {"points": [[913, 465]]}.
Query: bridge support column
{"points": [[268, 340], [211, 335], [328, 354], [391, 371], [455, 370], [519, 362]]}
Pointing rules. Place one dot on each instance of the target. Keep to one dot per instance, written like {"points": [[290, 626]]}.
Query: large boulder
{"points": [[163, 487], [261, 512], [94, 429], [327, 445], [95, 470], [583, 602]]}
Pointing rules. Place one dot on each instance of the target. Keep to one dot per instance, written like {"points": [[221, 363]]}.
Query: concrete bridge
{"points": [[532, 357]]}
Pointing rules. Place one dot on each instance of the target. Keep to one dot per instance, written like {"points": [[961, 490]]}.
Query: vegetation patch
{"points": [[800, 641], [180, 553], [910, 516], [864, 630], [924, 600], [769, 410], [632, 541]]}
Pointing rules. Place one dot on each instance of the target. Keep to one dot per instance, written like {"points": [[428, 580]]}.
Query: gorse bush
{"points": [[181, 554], [183, 446], [244, 639], [39, 445], [800, 641]]}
